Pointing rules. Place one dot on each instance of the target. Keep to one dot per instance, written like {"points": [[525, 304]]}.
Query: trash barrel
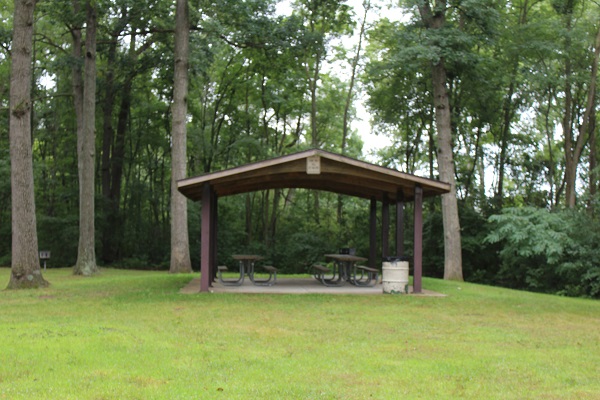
{"points": [[395, 275]]}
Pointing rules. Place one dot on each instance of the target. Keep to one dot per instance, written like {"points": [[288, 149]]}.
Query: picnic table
{"points": [[346, 270], [247, 263]]}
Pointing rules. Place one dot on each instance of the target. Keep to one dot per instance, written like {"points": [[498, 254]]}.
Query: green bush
{"points": [[554, 252]]}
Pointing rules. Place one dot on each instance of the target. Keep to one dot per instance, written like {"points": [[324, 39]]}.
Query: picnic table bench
{"points": [[368, 276], [270, 281], [319, 272], [345, 270], [229, 282], [246, 263]]}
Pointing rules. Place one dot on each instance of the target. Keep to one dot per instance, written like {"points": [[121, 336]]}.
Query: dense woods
{"points": [[497, 97]]}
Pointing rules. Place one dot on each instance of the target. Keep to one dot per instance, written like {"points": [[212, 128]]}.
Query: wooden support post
{"points": [[418, 250], [213, 234], [373, 233], [385, 227], [206, 244], [400, 224]]}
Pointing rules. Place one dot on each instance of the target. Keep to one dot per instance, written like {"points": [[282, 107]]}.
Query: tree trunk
{"points": [[451, 222], [593, 164], [355, 60], [76, 78], [589, 120], [574, 146], [469, 185], [345, 127], [86, 154], [25, 263], [508, 112], [570, 169], [114, 218], [180, 248], [313, 102], [441, 103], [110, 238], [549, 140]]}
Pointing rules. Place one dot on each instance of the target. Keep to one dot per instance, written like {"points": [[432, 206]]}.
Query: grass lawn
{"points": [[131, 335]]}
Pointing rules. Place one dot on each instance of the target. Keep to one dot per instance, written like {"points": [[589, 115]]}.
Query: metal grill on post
{"points": [[44, 256]]}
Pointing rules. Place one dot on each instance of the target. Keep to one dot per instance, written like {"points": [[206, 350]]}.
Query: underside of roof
{"points": [[314, 169]]}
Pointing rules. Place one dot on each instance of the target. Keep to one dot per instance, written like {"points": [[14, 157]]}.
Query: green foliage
{"points": [[547, 251]]}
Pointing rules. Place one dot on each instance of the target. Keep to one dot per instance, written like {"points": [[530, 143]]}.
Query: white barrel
{"points": [[395, 277]]}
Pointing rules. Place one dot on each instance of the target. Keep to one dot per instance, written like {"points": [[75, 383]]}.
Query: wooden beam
{"points": [[213, 234], [206, 244], [385, 226], [400, 224], [373, 233], [418, 241]]}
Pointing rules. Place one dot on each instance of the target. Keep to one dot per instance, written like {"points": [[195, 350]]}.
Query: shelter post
{"points": [[418, 240], [400, 224], [213, 236], [207, 238], [385, 226], [373, 233]]}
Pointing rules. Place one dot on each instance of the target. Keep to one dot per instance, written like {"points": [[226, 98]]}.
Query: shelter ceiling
{"points": [[314, 169]]}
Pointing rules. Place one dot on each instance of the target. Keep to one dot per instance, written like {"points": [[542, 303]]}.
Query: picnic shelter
{"points": [[319, 170]]}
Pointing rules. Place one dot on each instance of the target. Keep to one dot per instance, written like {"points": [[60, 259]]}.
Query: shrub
{"points": [[555, 252]]}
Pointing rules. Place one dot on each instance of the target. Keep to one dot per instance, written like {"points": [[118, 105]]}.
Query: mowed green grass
{"points": [[131, 335]]}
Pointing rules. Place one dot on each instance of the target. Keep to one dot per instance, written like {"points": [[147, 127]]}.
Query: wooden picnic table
{"points": [[346, 270], [247, 263]]}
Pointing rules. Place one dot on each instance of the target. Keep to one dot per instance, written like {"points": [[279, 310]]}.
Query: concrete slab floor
{"points": [[297, 286]]}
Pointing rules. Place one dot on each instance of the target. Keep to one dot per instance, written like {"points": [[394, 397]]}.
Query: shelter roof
{"points": [[314, 169]]}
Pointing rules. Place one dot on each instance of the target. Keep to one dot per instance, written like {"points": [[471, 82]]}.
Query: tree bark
{"points": [[25, 263], [451, 222], [86, 153], [180, 250], [441, 103]]}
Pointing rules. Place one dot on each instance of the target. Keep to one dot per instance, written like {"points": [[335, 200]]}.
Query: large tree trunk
{"points": [[25, 263], [452, 241], [441, 103], [86, 154], [180, 250]]}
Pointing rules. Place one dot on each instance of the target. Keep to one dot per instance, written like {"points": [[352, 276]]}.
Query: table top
{"points": [[249, 257], [345, 257]]}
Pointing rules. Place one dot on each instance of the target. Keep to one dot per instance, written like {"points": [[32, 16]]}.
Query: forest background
{"points": [[264, 81]]}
